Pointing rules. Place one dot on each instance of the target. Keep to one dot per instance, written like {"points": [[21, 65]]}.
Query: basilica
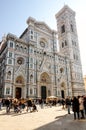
{"points": [[32, 66]]}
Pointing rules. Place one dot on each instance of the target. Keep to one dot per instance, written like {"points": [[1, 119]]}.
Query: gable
{"points": [[43, 26]]}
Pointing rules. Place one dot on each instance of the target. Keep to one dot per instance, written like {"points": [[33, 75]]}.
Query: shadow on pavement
{"points": [[65, 122]]}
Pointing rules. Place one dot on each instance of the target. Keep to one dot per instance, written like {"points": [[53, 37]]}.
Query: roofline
{"points": [[23, 33], [65, 7]]}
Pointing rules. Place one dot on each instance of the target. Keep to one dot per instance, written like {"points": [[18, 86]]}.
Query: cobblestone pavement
{"points": [[53, 118]]}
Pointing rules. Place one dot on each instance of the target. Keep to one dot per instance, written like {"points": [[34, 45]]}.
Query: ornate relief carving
{"points": [[20, 71]]}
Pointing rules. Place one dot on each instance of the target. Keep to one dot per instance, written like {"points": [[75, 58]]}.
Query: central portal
{"points": [[43, 92], [62, 93], [18, 93]]}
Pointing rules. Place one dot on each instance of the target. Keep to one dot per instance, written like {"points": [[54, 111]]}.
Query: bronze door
{"points": [[18, 92], [43, 92]]}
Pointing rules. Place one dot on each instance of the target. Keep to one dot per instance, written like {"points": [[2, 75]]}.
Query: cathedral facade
{"points": [[31, 66]]}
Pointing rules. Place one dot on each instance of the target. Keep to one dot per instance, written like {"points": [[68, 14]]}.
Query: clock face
{"points": [[42, 44]]}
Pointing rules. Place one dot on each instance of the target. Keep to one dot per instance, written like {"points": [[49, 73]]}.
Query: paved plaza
{"points": [[54, 118]]}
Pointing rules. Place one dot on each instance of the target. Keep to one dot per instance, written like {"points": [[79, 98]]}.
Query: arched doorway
{"points": [[19, 87], [45, 81], [63, 90], [18, 92], [62, 94], [43, 92]]}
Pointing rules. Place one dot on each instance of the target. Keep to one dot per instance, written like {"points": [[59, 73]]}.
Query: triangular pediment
{"points": [[20, 70], [43, 26]]}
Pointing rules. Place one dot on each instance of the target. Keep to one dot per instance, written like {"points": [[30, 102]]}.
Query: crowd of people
{"points": [[76, 104], [18, 105]]}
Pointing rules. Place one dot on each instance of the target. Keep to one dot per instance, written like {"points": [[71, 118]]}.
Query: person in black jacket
{"points": [[68, 104], [63, 103], [34, 107], [29, 105], [7, 103], [75, 106]]}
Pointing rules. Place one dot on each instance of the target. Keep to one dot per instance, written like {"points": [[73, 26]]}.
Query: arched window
{"points": [[31, 92], [62, 44], [74, 56], [11, 44], [25, 49], [61, 70], [7, 91], [21, 48], [62, 28], [17, 47], [71, 27], [31, 77], [65, 43], [9, 75], [9, 72]]}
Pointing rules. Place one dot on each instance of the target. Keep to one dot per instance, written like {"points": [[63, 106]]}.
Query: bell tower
{"points": [[69, 46]]}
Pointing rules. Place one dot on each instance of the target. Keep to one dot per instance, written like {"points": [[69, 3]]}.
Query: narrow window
{"points": [[62, 44], [9, 61], [10, 54], [62, 28], [7, 91], [65, 43], [71, 27], [31, 92], [72, 42], [74, 56], [31, 32], [31, 36], [11, 44]]}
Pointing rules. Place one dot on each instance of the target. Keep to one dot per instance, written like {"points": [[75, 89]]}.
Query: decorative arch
{"points": [[45, 78], [43, 39], [63, 85], [63, 89], [9, 75], [19, 80], [31, 77]]}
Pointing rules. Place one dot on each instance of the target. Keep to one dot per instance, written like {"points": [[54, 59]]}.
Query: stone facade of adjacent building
{"points": [[85, 82]]}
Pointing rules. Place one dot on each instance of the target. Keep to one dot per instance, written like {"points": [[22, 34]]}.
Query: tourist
{"points": [[85, 104], [7, 103], [34, 107], [75, 107], [81, 106], [63, 103], [68, 104], [29, 105]]}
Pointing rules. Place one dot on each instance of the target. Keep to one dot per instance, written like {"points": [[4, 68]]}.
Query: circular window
{"points": [[19, 61], [42, 44]]}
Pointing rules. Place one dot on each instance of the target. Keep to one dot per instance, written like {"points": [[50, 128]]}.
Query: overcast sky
{"points": [[14, 13]]}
